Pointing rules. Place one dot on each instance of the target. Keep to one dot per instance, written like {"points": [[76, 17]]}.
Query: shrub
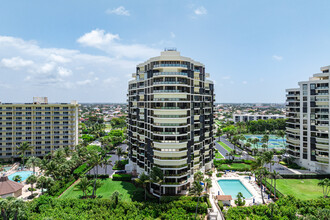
{"points": [[80, 170], [220, 203], [121, 177], [99, 176], [219, 174]]}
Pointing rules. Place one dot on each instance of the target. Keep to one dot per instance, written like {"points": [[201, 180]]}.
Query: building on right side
{"points": [[307, 127]]}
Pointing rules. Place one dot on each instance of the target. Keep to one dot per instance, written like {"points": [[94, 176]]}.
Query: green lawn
{"points": [[235, 166], [218, 155], [128, 190], [227, 148], [300, 188]]}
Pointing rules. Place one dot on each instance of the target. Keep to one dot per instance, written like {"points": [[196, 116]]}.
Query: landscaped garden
{"points": [[218, 155], [108, 187], [300, 188]]}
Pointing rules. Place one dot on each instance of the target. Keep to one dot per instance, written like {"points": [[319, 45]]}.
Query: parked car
{"points": [[120, 171]]}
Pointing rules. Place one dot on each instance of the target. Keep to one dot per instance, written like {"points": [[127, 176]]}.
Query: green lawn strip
{"points": [[218, 155], [225, 146], [300, 188], [128, 190], [234, 166]]}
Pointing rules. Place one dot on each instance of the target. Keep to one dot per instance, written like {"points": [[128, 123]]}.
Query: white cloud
{"points": [[110, 44], [226, 77], [63, 71], [15, 62], [200, 11], [59, 59], [244, 82], [53, 71], [278, 58], [118, 11], [172, 35]]}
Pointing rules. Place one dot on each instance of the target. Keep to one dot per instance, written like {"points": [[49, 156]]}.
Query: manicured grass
{"points": [[300, 188], [218, 155], [235, 166], [128, 190], [225, 146]]}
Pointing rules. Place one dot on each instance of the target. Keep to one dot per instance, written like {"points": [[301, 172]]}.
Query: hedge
{"points": [[99, 176], [305, 176], [121, 177], [271, 188]]}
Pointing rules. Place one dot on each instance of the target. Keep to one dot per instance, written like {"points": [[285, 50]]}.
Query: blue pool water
{"points": [[233, 187], [23, 174]]}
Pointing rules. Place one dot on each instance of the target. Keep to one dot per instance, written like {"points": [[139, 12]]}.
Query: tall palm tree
{"points": [[268, 158], [265, 139], [274, 176], [208, 183], [119, 153], [31, 180], [196, 189], [143, 180], [22, 148], [33, 162], [281, 134], [84, 185]]}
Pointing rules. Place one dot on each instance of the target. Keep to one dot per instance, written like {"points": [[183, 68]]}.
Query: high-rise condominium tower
{"points": [[46, 127], [170, 120], [308, 122]]}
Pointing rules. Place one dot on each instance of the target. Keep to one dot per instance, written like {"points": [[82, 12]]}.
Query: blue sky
{"points": [[87, 50]]}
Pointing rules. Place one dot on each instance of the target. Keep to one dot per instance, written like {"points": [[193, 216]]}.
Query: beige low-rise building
{"points": [[45, 126], [9, 188]]}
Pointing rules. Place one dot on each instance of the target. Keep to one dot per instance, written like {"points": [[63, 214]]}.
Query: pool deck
{"points": [[25, 191], [249, 185]]}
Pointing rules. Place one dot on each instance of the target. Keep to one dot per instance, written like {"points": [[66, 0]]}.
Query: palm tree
{"points": [[157, 177], [281, 134], [31, 180], [17, 178], [274, 176], [119, 153], [268, 158], [105, 163], [33, 162], [84, 185], [325, 183], [208, 183], [265, 139], [12, 208], [22, 148], [196, 189], [143, 180]]}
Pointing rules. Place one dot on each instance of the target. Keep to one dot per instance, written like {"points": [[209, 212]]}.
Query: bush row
{"points": [[121, 177], [99, 176]]}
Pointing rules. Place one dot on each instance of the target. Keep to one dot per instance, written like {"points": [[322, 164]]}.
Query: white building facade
{"points": [[250, 117], [308, 122]]}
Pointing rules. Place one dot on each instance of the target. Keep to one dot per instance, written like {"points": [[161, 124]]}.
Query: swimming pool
{"points": [[23, 174], [233, 187]]}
